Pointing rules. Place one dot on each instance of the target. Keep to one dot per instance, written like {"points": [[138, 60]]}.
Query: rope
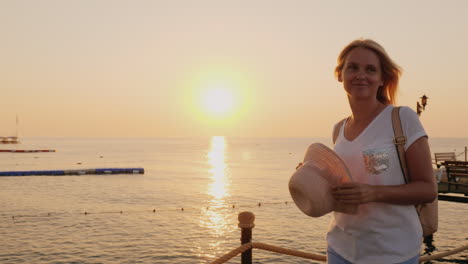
{"points": [[312, 256], [444, 254], [268, 247], [463, 152], [290, 252], [233, 253]]}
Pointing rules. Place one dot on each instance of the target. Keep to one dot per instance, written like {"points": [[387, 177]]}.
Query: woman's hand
{"points": [[354, 193], [421, 189]]}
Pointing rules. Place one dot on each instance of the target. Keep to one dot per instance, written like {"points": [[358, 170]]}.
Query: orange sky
{"points": [[142, 68]]}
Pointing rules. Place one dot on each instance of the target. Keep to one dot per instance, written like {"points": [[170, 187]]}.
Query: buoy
{"points": [[154, 210]]}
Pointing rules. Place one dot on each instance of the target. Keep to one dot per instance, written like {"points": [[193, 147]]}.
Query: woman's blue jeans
{"points": [[335, 258]]}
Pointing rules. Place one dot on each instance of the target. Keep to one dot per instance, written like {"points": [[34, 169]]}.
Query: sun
{"points": [[218, 98], [218, 101]]}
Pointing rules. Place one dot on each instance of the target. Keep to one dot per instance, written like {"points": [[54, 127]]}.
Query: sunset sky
{"points": [[247, 68]]}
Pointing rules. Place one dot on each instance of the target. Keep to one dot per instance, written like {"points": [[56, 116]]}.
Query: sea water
{"points": [[184, 208]]}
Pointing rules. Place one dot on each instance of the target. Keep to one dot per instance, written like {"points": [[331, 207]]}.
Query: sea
{"points": [[183, 209]]}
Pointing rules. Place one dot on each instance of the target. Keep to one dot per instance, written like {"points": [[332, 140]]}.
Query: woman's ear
{"points": [[340, 79]]}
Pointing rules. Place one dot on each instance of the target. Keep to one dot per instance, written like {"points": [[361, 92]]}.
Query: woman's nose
{"points": [[360, 75]]}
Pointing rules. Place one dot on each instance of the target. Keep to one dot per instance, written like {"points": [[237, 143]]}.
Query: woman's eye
{"points": [[371, 69]]}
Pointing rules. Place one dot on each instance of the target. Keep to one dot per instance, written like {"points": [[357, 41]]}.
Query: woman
{"points": [[386, 228]]}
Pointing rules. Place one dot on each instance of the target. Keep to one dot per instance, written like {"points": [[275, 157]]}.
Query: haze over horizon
{"points": [[117, 68]]}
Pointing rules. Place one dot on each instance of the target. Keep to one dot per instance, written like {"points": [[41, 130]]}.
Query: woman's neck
{"points": [[364, 112]]}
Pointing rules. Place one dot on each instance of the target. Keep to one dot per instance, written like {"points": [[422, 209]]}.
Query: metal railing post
{"points": [[246, 223]]}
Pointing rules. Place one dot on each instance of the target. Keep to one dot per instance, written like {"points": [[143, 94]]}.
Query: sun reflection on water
{"points": [[216, 218], [220, 184]]}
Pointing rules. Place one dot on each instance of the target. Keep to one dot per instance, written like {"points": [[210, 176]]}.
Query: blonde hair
{"points": [[391, 72]]}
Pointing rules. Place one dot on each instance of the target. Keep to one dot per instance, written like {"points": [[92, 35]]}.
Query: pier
{"points": [[453, 179], [452, 176]]}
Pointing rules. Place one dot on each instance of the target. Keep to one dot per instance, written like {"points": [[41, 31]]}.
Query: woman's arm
{"points": [[421, 189]]}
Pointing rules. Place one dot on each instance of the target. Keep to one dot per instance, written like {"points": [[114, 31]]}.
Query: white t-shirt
{"points": [[379, 232]]}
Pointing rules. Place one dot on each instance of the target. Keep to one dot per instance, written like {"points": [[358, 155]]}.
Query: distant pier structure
{"points": [[9, 140]]}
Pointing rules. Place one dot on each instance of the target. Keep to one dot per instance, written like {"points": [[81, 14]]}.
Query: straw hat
{"points": [[310, 184]]}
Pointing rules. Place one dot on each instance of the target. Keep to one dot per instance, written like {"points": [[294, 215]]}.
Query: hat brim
{"points": [[309, 185], [311, 191], [326, 159]]}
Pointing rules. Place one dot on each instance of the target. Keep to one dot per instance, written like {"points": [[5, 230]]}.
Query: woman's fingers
{"points": [[353, 193], [299, 165], [346, 185]]}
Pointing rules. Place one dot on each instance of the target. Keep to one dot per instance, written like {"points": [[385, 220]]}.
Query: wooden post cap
{"points": [[246, 220]]}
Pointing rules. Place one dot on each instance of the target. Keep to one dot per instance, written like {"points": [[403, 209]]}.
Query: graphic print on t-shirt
{"points": [[376, 160]]}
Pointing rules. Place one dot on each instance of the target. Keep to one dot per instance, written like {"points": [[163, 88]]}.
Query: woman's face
{"points": [[362, 74]]}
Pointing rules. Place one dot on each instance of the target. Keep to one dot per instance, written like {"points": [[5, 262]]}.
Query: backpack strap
{"points": [[336, 130], [400, 141]]}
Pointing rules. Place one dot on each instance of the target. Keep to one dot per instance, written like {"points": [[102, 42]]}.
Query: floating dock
{"points": [[99, 171], [26, 150]]}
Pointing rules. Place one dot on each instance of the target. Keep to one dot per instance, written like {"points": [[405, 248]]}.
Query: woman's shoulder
{"points": [[406, 110], [339, 123], [336, 129]]}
